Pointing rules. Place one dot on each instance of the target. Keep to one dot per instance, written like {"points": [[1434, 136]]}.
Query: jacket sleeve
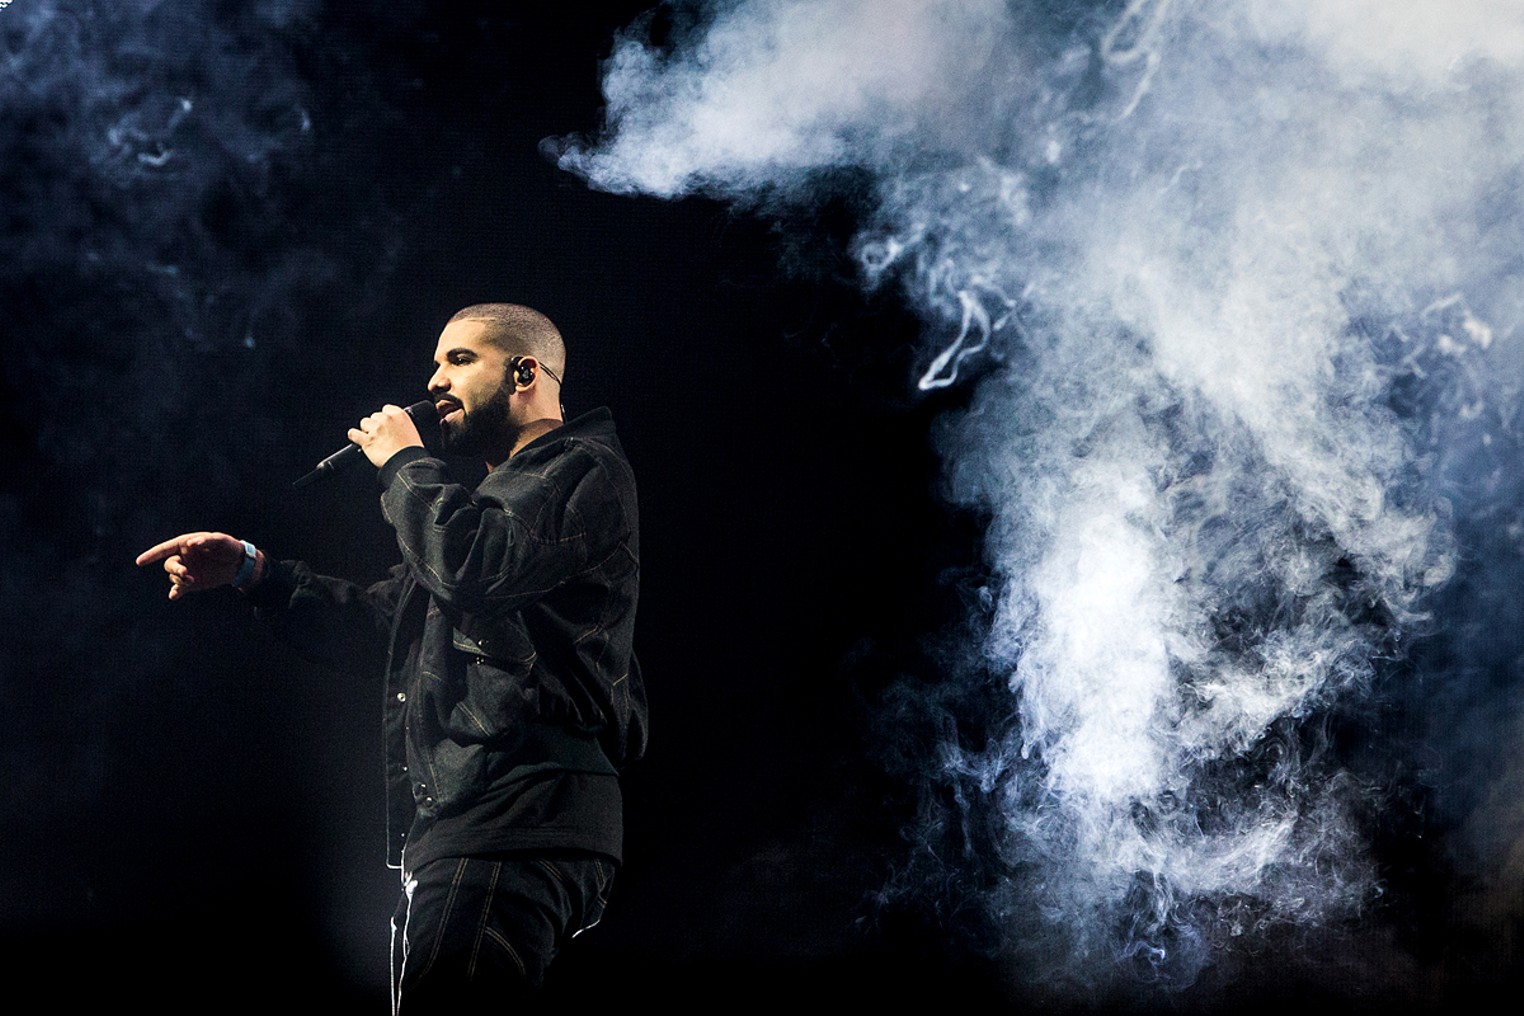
{"points": [[523, 532], [327, 620]]}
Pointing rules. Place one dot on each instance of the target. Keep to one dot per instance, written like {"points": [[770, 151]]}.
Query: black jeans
{"points": [[478, 932]]}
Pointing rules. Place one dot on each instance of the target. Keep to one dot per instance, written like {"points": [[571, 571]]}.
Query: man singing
{"points": [[512, 691]]}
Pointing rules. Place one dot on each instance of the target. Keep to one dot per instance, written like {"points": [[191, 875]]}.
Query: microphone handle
{"points": [[349, 453]]}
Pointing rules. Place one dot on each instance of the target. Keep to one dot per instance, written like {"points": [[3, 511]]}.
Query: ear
{"points": [[523, 370]]}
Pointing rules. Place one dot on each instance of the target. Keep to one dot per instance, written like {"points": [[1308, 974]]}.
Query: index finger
{"points": [[160, 551]]}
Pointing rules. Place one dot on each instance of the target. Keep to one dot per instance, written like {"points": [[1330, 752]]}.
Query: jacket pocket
{"points": [[499, 694]]}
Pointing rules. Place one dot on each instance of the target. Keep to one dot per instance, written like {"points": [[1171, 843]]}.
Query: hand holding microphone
{"points": [[378, 437], [383, 434]]}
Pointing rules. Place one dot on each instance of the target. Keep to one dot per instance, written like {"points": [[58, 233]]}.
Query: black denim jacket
{"points": [[509, 623]]}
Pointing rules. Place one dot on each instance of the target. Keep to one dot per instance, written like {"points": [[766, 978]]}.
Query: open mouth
{"points": [[446, 409]]}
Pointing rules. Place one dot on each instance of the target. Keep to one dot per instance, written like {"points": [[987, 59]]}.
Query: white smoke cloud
{"points": [[1202, 242], [1411, 44], [776, 88]]}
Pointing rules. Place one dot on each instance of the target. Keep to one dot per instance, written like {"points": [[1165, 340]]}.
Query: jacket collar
{"points": [[594, 425]]}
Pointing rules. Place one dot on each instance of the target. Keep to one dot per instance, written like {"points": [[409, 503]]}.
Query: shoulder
{"points": [[585, 448], [575, 479], [564, 468]]}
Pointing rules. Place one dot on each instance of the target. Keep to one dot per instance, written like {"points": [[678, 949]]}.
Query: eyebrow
{"points": [[452, 352]]}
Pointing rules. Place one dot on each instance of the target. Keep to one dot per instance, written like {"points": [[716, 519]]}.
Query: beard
{"points": [[478, 429]]}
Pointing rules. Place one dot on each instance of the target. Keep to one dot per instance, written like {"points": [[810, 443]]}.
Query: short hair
{"points": [[519, 331]]}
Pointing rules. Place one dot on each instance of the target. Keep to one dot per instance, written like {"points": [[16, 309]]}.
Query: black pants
{"points": [[480, 931]]}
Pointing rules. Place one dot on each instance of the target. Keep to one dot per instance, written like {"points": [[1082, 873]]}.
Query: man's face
{"points": [[471, 390]]}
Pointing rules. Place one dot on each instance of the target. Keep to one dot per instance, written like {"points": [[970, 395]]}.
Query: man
{"points": [[512, 689]]}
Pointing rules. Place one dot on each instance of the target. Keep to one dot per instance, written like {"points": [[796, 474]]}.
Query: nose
{"points": [[439, 383]]}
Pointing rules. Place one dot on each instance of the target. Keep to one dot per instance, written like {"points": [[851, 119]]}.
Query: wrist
{"points": [[248, 569], [261, 568], [391, 466], [270, 588]]}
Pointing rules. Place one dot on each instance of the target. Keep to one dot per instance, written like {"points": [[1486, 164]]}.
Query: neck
{"points": [[525, 434]]}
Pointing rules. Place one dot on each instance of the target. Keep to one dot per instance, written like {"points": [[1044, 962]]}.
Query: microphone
{"points": [[350, 452]]}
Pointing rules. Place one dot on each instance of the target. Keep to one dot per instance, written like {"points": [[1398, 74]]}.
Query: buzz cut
{"points": [[519, 331]]}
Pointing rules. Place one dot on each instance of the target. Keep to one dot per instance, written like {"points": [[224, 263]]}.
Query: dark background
{"points": [[228, 231]]}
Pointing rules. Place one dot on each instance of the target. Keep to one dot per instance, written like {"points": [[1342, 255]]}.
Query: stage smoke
{"points": [[1239, 287]]}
